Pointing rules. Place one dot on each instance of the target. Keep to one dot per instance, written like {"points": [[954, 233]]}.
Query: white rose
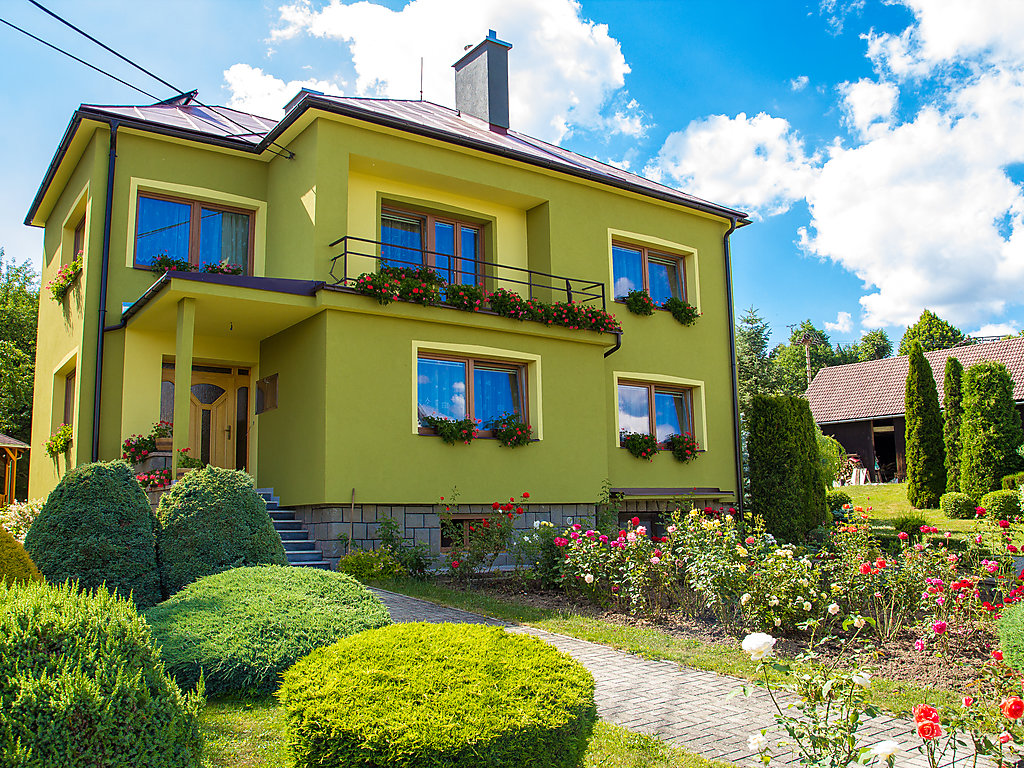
{"points": [[758, 742], [883, 750], [807, 606], [778, 622], [859, 622], [758, 645], [589, 578], [773, 601], [745, 599], [833, 609], [863, 679], [536, 524]]}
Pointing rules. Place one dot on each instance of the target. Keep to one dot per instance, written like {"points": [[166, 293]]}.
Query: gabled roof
{"points": [[249, 133], [877, 388], [9, 442]]}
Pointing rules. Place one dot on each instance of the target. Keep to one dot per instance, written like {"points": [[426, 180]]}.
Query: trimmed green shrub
{"points": [[1010, 628], [213, 520], [910, 525], [958, 506], [97, 527], [952, 416], [991, 430], [15, 564], [926, 469], [375, 564], [835, 499], [1013, 482], [81, 684], [786, 485], [1001, 505], [242, 628], [440, 695]]}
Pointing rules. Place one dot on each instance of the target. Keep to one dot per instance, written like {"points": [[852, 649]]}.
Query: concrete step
{"points": [[323, 565], [299, 546], [288, 525], [300, 535], [281, 514], [312, 556]]}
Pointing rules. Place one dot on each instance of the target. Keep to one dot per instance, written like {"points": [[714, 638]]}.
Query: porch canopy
{"points": [[10, 451]]}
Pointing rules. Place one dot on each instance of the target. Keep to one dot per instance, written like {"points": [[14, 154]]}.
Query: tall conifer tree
{"points": [[952, 414], [926, 470]]}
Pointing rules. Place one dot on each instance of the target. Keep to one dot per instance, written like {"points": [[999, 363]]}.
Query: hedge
{"points": [[242, 628], [1001, 505], [958, 506], [1010, 628], [97, 527], [438, 695], [81, 684], [213, 520], [787, 488], [1013, 482], [15, 564]]}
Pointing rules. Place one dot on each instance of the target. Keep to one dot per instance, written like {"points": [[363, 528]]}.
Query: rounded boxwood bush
{"points": [[81, 684], [15, 564], [1001, 505], [242, 628], [1010, 628], [835, 499], [97, 527], [958, 506], [213, 520], [439, 695]]}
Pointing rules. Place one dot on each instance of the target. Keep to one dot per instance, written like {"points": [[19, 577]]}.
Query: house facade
{"points": [[863, 405], [319, 391]]}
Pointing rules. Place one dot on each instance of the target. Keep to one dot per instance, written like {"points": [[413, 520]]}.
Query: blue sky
{"points": [[877, 144]]}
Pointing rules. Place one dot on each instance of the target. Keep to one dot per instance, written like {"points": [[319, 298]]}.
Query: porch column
{"points": [[184, 342]]}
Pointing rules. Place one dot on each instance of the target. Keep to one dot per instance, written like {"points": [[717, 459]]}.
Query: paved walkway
{"points": [[686, 707]]}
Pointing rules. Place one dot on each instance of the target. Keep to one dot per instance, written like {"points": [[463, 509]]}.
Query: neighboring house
{"points": [[318, 391], [862, 405]]}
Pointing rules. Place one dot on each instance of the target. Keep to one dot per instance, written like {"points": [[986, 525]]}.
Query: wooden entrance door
{"points": [[218, 413]]}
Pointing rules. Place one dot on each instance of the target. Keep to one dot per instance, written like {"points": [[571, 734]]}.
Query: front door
{"points": [[218, 413]]}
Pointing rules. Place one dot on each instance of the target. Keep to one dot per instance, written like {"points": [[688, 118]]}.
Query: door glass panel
{"points": [[664, 280], [495, 393], [241, 429], [672, 413], [627, 265], [205, 418], [224, 238], [166, 401], [634, 413], [444, 249], [402, 238], [163, 229], [441, 389], [207, 394], [470, 242]]}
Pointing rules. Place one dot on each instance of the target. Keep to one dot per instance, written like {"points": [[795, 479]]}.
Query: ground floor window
{"points": [[460, 388], [655, 409]]}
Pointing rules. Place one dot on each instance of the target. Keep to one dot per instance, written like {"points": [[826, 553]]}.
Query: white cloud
{"points": [[756, 163], [253, 90], [868, 105], [997, 329], [799, 83], [843, 323], [565, 71]]}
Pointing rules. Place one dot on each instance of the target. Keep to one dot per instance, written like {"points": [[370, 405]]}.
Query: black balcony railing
{"points": [[488, 275]]}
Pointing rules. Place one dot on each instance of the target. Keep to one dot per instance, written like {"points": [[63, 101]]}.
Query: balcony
{"points": [[359, 255]]}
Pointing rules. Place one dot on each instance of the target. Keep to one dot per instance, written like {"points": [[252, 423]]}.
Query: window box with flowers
{"points": [[645, 280], [655, 417], [59, 442], [61, 284]]}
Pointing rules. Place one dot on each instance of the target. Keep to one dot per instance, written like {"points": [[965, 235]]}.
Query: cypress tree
{"points": [[952, 414], [926, 470], [787, 486], [990, 431]]}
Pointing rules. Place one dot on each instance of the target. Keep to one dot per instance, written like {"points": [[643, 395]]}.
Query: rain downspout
{"points": [[732, 358], [104, 269]]}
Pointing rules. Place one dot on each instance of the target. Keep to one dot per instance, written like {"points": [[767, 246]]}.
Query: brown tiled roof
{"points": [[250, 133], [10, 442], [877, 388]]}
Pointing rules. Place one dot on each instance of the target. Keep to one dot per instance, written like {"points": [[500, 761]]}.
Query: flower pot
{"points": [[164, 443]]}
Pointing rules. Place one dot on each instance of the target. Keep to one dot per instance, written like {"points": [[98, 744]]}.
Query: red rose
{"points": [[526, 495], [1004, 524], [865, 568], [1012, 708], [495, 505], [455, 563], [880, 562], [926, 713], [929, 730], [635, 521], [997, 655]]}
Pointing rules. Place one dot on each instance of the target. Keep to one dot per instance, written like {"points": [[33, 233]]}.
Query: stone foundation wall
{"points": [[419, 523]]}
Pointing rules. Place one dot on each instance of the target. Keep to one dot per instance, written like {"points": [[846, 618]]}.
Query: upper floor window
{"points": [[483, 390], [450, 246], [653, 409], [637, 268], [192, 231], [78, 242]]}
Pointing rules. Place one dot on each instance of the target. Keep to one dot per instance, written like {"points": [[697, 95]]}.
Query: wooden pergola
{"points": [[10, 451]]}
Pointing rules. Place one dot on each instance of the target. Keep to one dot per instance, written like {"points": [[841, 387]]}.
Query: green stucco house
{"points": [[289, 371]]}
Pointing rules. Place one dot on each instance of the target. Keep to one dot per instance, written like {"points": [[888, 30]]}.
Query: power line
{"points": [[80, 61]]}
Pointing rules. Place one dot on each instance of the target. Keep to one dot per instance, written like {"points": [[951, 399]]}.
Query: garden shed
{"points": [[10, 451]]}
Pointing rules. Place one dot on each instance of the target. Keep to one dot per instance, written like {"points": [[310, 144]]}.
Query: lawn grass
{"points": [[889, 501], [246, 732], [648, 642]]}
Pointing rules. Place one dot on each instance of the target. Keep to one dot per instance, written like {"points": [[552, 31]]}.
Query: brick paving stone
{"points": [[689, 708]]}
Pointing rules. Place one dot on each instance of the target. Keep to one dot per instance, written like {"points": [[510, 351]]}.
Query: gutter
{"points": [[732, 358], [104, 270], [618, 345]]}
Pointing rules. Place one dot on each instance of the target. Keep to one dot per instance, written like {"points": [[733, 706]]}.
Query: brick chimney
{"points": [[481, 82]]}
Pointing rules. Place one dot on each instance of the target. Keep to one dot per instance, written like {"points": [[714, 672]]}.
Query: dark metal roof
{"points": [[239, 130], [877, 388]]}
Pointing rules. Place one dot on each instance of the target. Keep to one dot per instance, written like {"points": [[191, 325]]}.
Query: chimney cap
{"points": [[492, 37]]}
